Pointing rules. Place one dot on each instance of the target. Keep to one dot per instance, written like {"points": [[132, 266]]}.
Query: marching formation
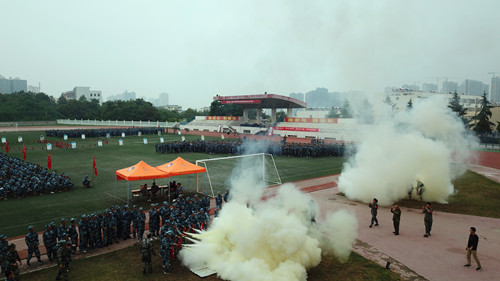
{"points": [[240, 147], [168, 223], [19, 178]]}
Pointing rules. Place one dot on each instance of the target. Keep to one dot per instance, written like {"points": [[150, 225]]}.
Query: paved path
{"points": [[491, 173], [439, 257]]}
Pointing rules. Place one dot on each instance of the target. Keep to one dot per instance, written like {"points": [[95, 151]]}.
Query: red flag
{"points": [[95, 167], [24, 152], [49, 162], [7, 146]]}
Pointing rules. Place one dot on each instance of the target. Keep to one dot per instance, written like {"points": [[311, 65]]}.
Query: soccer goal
{"points": [[220, 170]]}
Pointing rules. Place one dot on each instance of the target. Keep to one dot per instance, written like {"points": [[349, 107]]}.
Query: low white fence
{"points": [[122, 123]]}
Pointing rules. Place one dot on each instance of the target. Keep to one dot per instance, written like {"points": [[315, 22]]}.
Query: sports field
{"points": [[17, 214]]}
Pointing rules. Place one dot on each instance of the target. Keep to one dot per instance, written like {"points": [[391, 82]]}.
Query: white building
{"points": [[400, 99], [495, 91], [173, 107], [79, 92]]}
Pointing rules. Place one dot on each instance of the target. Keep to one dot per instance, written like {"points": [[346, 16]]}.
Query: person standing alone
{"points": [[374, 207], [472, 248], [396, 218], [427, 210]]}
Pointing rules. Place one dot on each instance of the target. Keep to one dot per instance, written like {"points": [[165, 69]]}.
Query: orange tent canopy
{"points": [[180, 167], [140, 171]]}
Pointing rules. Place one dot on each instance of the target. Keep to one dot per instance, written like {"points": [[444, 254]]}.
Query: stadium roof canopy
{"points": [[262, 101]]}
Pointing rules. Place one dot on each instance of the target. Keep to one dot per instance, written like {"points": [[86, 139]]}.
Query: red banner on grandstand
{"points": [[311, 120], [240, 101], [228, 118], [298, 129]]}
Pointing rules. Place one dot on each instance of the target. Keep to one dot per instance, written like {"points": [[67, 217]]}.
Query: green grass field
{"points": [[476, 195], [17, 214], [130, 268]]}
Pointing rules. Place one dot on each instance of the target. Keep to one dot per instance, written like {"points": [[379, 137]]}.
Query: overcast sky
{"points": [[196, 49]]}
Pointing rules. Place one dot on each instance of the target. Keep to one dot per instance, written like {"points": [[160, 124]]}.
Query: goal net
{"points": [[220, 170]]}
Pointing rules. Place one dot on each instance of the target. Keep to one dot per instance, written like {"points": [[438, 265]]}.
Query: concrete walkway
{"points": [[413, 257], [439, 257]]}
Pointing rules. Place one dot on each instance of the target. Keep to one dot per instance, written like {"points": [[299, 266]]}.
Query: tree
{"points": [[388, 101], [483, 124], [280, 116], [409, 105], [346, 110], [27, 106], [189, 114], [457, 107], [219, 109], [366, 113]]}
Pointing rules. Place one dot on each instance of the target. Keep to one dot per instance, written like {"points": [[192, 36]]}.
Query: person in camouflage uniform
{"points": [[126, 218], [49, 242], [427, 210], [154, 220], [106, 229], [73, 235], [167, 251], [218, 201], [12, 258], [141, 224], [133, 217], [4, 249], [32, 242], [146, 252], [114, 225], [63, 259], [63, 228], [84, 233]]}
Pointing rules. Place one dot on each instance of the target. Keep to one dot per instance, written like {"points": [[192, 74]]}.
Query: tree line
{"points": [[29, 106]]}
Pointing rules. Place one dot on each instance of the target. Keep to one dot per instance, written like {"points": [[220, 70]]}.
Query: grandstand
{"points": [[339, 129]]}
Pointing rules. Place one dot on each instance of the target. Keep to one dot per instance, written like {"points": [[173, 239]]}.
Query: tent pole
{"points": [[168, 190], [114, 197], [128, 191]]}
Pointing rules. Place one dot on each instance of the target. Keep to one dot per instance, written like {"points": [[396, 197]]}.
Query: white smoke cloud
{"points": [[272, 239], [422, 143]]}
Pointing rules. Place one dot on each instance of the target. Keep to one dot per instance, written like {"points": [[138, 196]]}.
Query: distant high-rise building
{"points": [[429, 87], [473, 87], [163, 99], [298, 96], [449, 87], [125, 96], [128, 95], [78, 92], [9, 86], [154, 101], [320, 98], [495, 90]]}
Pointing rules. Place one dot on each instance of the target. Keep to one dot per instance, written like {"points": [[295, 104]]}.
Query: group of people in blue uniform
{"points": [[168, 222], [242, 146], [19, 178]]}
